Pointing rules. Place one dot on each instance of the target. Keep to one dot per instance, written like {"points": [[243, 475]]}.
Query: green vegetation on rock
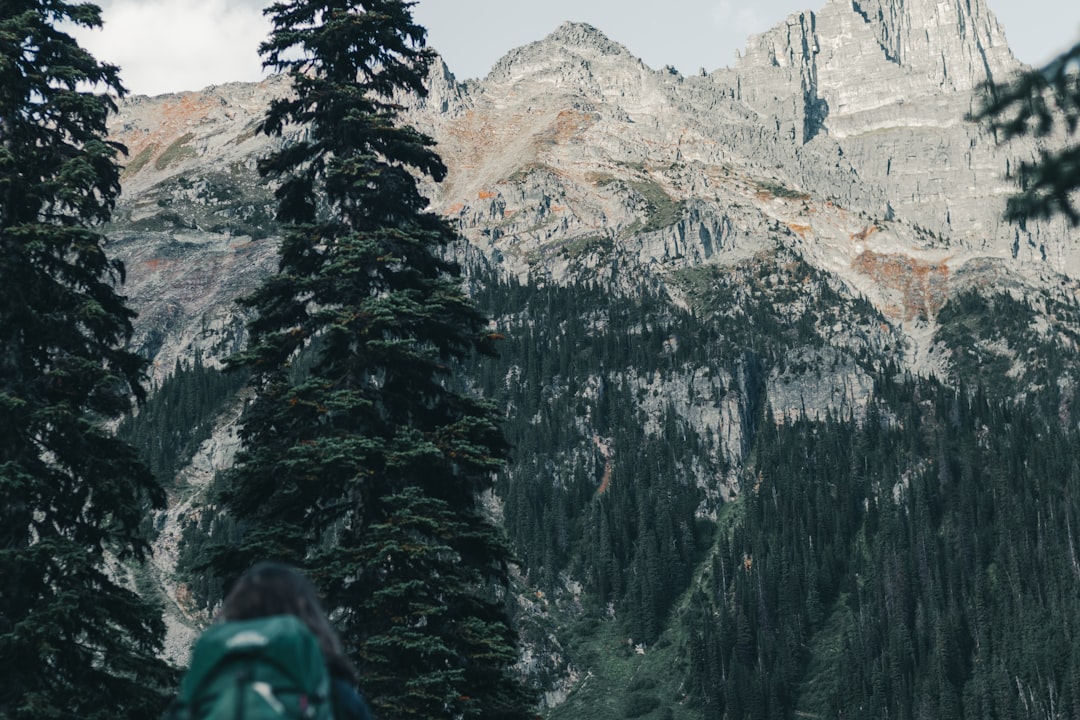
{"points": [[176, 151]]}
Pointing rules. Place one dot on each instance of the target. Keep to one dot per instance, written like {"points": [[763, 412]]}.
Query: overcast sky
{"points": [[173, 45]]}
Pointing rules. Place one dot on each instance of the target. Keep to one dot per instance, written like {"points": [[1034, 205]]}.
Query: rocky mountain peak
{"points": [[857, 66], [586, 37], [574, 51], [445, 95], [957, 44]]}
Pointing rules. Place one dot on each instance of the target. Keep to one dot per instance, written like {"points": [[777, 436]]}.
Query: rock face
{"points": [[882, 88], [844, 128], [831, 168], [186, 502], [957, 45], [192, 212]]}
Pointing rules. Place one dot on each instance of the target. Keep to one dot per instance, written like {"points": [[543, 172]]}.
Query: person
{"points": [[270, 588]]}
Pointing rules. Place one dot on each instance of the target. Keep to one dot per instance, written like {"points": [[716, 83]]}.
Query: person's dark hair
{"points": [[271, 588]]}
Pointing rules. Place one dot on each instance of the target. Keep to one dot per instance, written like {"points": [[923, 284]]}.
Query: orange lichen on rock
{"points": [[472, 138], [923, 285], [605, 481], [865, 232], [801, 230], [567, 125], [571, 122], [455, 209], [174, 122], [605, 451], [486, 195]]}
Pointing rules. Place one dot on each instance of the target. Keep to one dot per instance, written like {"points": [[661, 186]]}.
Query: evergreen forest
{"points": [[912, 556], [915, 558], [711, 494]]}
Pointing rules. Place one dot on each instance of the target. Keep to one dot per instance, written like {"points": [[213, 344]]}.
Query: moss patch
{"points": [[176, 152], [661, 210], [777, 190], [585, 245], [139, 161]]}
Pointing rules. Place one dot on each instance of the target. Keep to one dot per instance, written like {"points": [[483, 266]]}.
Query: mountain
{"points": [[760, 324]]}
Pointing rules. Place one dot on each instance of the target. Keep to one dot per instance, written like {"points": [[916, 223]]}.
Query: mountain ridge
{"points": [[812, 229], [556, 117]]}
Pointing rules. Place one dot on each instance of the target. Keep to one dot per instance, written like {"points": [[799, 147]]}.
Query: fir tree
{"points": [[1034, 104], [368, 468], [73, 641]]}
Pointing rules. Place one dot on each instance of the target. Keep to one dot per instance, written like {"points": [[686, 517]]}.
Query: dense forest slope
{"points": [[793, 410]]}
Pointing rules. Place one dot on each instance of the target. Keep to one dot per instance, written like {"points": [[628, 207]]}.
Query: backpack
{"points": [[263, 669]]}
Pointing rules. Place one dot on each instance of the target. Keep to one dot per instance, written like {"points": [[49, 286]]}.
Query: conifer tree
{"points": [[74, 641], [368, 467], [1036, 103]]}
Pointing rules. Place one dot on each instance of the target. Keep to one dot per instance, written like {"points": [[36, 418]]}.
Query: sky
{"points": [[174, 45]]}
